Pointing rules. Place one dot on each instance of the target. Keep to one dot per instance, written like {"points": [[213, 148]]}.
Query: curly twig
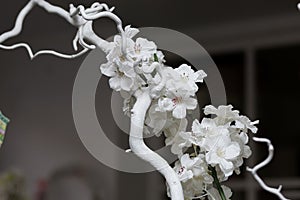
{"points": [[72, 17], [51, 52], [91, 14], [253, 171]]}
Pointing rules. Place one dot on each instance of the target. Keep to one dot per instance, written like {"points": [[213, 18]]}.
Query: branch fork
{"points": [[253, 171]]}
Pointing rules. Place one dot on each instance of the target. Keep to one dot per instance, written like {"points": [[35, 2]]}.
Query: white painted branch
{"points": [[84, 22], [137, 145], [253, 171], [84, 26], [107, 14], [33, 55]]}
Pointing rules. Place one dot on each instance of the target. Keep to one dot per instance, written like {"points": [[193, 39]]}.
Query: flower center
{"points": [[177, 100], [181, 170], [122, 58], [185, 76], [137, 48], [220, 153], [119, 72]]}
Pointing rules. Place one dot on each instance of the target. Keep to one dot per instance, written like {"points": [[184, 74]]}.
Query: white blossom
{"points": [[224, 114], [184, 168], [119, 53], [183, 79], [177, 104], [121, 79], [208, 128], [187, 74], [130, 32], [222, 151], [223, 138], [193, 173], [242, 140], [180, 141], [143, 49], [244, 123]]}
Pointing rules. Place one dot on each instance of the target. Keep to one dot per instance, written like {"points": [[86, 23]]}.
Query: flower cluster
{"points": [[131, 63], [180, 88], [218, 143]]}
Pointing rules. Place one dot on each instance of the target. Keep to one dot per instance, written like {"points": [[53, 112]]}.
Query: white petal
{"points": [[199, 76], [213, 194], [116, 47], [128, 70], [227, 191], [130, 32], [186, 176], [182, 124], [165, 104], [156, 119], [129, 44], [108, 69], [244, 137], [247, 152], [179, 111], [239, 125], [238, 162], [126, 83], [184, 69], [226, 167], [210, 110], [115, 83], [196, 127], [212, 158], [232, 151], [160, 56], [185, 159], [190, 103], [208, 123], [146, 45], [253, 129], [175, 149], [149, 69]]}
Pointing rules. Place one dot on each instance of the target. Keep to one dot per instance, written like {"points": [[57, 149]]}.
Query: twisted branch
{"points": [[138, 146], [74, 18], [253, 171]]}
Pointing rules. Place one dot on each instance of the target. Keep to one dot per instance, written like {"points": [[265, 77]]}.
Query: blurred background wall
{"points": [[255, 44]]}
